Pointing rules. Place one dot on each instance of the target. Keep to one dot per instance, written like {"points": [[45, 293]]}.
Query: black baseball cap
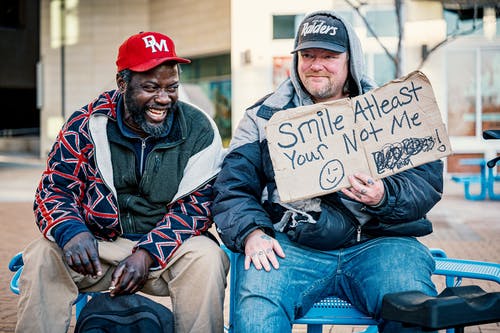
{"points": [[322, 32]]}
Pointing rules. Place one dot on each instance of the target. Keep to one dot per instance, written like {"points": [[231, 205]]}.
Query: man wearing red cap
{"points": [[125, 202]]}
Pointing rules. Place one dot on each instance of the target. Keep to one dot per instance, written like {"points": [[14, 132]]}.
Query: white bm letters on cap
{"points": [[151, 42], [318, 27]]}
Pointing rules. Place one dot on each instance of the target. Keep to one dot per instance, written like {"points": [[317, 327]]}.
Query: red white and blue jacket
{"points": [[77, 185]]}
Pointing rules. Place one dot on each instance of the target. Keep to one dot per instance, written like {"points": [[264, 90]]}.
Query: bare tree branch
{"points": [[372, 31], [396, 59], [454, 35]]}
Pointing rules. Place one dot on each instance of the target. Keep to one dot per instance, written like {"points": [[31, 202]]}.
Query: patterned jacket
{"points": [[77, 185]]}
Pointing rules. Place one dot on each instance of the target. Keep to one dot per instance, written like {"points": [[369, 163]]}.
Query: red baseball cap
{"points": [[146, 50]]}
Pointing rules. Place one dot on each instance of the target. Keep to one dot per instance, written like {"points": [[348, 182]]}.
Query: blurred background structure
{"points": [[56, 55]]}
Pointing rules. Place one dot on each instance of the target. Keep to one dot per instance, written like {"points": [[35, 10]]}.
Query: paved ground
{"points": [[464, 229]]}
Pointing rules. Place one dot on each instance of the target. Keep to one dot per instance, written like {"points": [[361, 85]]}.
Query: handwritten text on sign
{"points": [[385, 131]]}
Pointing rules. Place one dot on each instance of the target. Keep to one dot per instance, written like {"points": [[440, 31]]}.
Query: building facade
{"points": [[464, 70], [241, 51]]}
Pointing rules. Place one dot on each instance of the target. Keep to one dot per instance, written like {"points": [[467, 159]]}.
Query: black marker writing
{"points": [[319, 127], [398, 155], [300, 159]]}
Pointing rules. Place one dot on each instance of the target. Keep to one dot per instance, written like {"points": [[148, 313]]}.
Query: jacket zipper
{"points": [[143, 147], [352, 219]]}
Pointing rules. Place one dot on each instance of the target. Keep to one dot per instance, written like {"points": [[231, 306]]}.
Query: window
{"points": [[380, 67], [461, 93], [490, 89], [455, 23], [285, 26], [207, 83], [473, 91], [383, 22], [206, 67], [384, 69]]}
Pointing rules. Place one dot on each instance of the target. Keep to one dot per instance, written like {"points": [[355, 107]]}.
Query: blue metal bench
{"points": [[334, 311], [491, 185], [485, 180], [467, 181], [330, 310]]}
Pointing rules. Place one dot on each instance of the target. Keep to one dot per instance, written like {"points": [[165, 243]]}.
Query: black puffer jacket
{"points": [[246, 190]]}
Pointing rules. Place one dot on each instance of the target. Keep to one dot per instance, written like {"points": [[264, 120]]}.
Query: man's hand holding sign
{"points": [[365, 189], [350, 144]]}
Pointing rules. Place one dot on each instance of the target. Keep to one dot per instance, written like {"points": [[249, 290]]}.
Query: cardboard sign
{"points": [[385, 131]]}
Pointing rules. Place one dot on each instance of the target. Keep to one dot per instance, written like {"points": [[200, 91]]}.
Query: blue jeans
{"points": [[362, 274]]}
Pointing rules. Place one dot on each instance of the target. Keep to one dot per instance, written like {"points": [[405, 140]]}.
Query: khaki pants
{"points": [[195, 279]]}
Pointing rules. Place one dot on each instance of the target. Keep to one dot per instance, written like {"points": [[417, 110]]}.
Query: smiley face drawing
{"points": [[331, 174]]}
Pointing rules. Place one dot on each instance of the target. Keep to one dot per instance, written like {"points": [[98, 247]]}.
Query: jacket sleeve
{"points": [[411, 194], [238, 189], [186, 217], [62, 186]]}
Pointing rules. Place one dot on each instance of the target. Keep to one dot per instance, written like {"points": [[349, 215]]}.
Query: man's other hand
{"points": [[131, 274], [82, 254], [261, 250]]}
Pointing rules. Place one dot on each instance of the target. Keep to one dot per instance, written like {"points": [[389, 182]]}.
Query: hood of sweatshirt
{"points": [[291, 92]]}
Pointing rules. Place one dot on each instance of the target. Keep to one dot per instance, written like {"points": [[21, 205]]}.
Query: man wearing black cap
{"points": [[125, 203], [341, 244]]}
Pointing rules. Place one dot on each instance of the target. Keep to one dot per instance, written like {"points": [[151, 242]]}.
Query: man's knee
{"points": [[398, 255], [390, 265], [204, 254], [41, 251]]}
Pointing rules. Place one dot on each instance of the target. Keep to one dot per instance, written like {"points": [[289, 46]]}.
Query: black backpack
{"points": [[124, 314]]}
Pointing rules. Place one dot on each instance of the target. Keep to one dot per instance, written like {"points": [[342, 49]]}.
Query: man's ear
{"points": [[121, 84]]}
